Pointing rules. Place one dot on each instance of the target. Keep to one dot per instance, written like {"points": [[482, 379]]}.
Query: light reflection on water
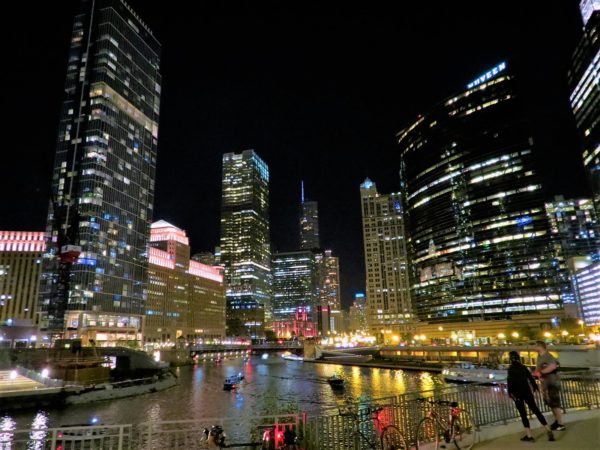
{"points": [[271, 386]]}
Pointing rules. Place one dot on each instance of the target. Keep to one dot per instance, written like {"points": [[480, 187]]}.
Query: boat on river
{"points": [[291, 357], [233, 382], [467, 372], [336, 381]]}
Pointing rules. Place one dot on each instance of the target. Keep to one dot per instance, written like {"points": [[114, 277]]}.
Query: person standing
{"points": [[546, 369], [520, 386]]}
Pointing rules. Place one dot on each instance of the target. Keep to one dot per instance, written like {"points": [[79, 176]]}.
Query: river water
{"points": [[271, 386]]}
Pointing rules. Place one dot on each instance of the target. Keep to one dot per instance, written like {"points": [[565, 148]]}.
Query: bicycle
{"points": [[390, 437], [216, 438], [458, 428]]}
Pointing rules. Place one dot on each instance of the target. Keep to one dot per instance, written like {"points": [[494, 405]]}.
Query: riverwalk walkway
{"points": [[582, 433]]}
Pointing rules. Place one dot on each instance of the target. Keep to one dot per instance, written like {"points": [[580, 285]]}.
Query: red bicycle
{"points": [[435, 430]]}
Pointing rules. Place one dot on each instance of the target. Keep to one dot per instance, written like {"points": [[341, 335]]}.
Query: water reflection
{"points": [[38, 432], [270, 386], [7, 428]]}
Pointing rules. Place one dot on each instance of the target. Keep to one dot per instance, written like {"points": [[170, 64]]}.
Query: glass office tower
{"points": [[309, 223], [584, 83], [245, 243], [95, 276], [479, 234]]}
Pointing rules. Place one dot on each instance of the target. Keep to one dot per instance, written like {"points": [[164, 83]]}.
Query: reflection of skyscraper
{"points": [[103, 177], [479, 235], [585, 91], [388, 295], [245, 242], [309, 223]]}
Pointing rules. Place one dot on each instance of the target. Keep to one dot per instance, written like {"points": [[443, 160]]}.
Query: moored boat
{"points": [[470, 373], [291, 357]]}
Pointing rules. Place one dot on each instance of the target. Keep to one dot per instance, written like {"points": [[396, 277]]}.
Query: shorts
{"points": [[551, 395]]}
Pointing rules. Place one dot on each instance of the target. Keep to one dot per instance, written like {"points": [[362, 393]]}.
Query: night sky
{"points": [[319, 92]]}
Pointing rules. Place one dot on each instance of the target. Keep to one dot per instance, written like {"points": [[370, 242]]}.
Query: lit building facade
{"points": [[20, 268], [574, 226], [309, 223], [103, 177], [358, 314], [386, 259], [295, 284], [587, 291], [585, 91], [328, 267], [245, 250], [479, 235], [186, 299], [301, 325]]}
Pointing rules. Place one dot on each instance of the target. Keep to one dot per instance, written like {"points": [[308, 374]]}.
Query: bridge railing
{"points": [[487, 405]]}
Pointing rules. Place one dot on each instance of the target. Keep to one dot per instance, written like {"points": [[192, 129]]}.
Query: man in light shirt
{"points": [[546, 369]]}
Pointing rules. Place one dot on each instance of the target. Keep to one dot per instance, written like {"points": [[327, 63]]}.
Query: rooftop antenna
{"points": [[302, 191]]}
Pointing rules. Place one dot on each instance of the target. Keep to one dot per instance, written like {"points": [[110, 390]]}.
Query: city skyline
{"points": [[272, 138]]}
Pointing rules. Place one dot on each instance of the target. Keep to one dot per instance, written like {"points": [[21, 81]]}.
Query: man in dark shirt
{"points": [[520, 386], [546, 369]]}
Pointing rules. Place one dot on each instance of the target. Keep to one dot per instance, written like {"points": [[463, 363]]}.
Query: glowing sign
{"points": [[488, 75]]}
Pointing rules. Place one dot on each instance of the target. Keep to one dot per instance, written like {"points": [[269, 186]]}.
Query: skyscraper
{"points": [[296, 280], [186, 299], [574, 226], [95, 276], [329, 287], [585, 91], [386, 259], [245, 242], [309, 223], [479, 236]]}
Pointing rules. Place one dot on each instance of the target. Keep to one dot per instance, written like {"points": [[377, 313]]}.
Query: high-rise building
{"points": [[586, 282], [95, 275], [309, 223], [358, 313], [245, 242], [479, 235], [328, 267], [574, 226], [386, 259], [186, 299], [585, 91], [20, 267], [296, 280]]}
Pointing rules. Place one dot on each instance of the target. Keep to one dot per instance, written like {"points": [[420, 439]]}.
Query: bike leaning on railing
{"points": [[390, 437], [435, 430]]}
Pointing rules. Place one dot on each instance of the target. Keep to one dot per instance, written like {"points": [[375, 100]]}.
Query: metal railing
{"points": [[105, 437], [487, 405]]}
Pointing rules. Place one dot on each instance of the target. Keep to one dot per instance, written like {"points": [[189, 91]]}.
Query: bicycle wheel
{"points": [[427, 434], [392, 439], [463, 431]]}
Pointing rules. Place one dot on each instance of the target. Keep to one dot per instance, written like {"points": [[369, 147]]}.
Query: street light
{"points": [[501, 336], [396, 338], [440, 328], [515, 335], [547, 334], [564, 333]]}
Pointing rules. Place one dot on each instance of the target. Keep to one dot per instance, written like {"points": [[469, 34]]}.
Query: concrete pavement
{"points": [[579, 435]]}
